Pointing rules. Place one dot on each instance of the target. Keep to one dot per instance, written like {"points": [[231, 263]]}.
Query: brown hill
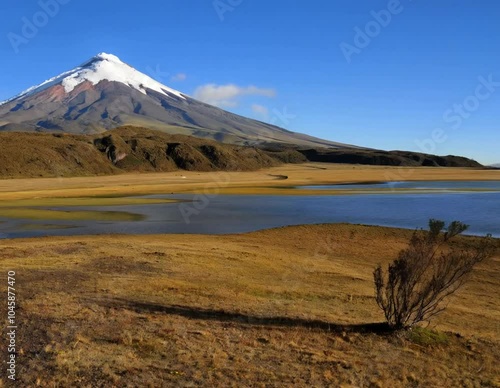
{"points": [[133, 149], [124, 150], [386, 158]]}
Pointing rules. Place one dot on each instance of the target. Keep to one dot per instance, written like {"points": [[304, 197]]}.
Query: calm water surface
{"points": [[226, 214]]}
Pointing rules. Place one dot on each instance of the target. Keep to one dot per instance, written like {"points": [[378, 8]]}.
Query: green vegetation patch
{"points": [[83, 201], [427, 337], [43, 214]]}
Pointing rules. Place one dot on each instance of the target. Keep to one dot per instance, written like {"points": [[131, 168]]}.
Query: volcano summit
{"points": [[104, 93]]}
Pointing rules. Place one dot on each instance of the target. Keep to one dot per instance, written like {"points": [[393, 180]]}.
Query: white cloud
{"points": [[179, 77], [228, 95], [260, 110]]}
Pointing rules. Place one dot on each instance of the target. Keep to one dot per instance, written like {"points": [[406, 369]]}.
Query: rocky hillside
{"points": [[133, 149], [126, 149], [387, 158]]}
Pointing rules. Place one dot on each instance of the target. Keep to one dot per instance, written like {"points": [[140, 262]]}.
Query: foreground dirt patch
{"points": [[289, 306]]}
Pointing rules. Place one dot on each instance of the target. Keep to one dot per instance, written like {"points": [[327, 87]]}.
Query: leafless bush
{"points": [[427, 272]]}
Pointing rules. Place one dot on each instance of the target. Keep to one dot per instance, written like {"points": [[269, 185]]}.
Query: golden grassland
{"points": [[34, 209], [32, 198], [291, 306], [275, 180], [284, 307], [83, 201]]}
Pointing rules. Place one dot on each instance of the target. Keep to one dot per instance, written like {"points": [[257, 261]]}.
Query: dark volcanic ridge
{"points": [[127, 149], [387, 158], [132, 149]]}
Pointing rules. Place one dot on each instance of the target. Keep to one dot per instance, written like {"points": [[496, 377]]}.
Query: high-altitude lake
{"points": [[475, 203]]}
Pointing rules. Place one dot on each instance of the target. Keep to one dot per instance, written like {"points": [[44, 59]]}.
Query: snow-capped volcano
{"points": [[105, 93], [102, 67]]}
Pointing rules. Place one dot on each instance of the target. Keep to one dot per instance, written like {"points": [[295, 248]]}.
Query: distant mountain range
{"points": [[104, 93], [497, 165]]}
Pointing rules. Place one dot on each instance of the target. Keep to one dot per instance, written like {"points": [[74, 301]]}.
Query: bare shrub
{"points": [[426, 272]]}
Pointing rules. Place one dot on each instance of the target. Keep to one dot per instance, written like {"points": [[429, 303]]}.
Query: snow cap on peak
{"points": [[108, 57], [102, 67]]}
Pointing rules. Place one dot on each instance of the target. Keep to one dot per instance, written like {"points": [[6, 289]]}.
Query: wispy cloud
{"points": [[179, 77], [260, 110], [228, 95]]}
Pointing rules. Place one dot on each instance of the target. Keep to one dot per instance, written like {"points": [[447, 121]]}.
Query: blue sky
{"points": [[383, 74]]}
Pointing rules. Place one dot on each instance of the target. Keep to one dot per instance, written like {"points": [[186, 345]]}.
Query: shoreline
{"points": [[238, 183], [77, 199], [395, 229]]}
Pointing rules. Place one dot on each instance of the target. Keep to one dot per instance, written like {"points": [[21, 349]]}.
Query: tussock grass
{"points": [[284, 307]]}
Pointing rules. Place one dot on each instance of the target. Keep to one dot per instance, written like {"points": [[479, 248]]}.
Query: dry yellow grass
{"points": [[272, 308], [267, 181]]}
